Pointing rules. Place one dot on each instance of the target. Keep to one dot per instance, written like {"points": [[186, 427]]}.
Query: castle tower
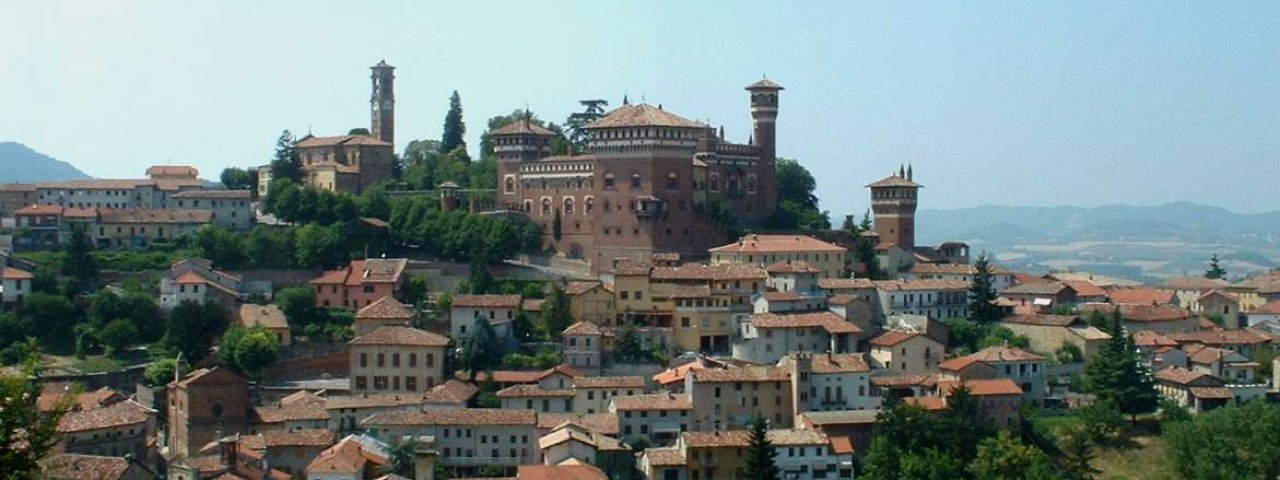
{"points": [[382, 105], [764, 116], [893, 201]]}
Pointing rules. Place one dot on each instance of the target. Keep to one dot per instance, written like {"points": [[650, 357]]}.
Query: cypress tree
{"points": [[1215, 271], [454, 128], [1117, 374], [982, 293], [760, 453], [285, 162]]}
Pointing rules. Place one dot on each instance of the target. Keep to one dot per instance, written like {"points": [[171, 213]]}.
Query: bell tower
{"points": [[764, 116], [382, 105]]}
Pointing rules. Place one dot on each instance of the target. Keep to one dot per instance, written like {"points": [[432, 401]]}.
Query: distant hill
{"points": [[1172, 222], [20, 164]]}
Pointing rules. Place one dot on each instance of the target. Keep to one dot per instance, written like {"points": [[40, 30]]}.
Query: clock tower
{"points": [[382, 105]]}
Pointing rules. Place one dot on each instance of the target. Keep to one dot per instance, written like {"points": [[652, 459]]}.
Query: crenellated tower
{"points": [[893, 201], [382, 104]]}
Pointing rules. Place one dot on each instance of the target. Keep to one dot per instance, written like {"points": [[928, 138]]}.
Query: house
{"points": [[790, 301], [291, 451], [657, 418], [558, 377], [696, 301], [564, 471], [592, 393], [1195, 390], [355, 457], [1087, 292], [15, 286], [1164, 319], [453, 393], [1025, 369], [937, 299], [298, 411], [467, 439], [268, 317], [122, 428], [1049, 333], [347, 412], [229, 209], [498, 310], [70, 466], [1188, 290], [1245, 342], [383, 312], [1221, 305], [1266, 313], [360, 283], [196, 280], [1226, 365], [591, 301], [730, 397], [138, 228], [827, 259], [903, 386], [228, 457], [583, 345], [832, 381], [998, 399], [203, 405], [906, 353], [1142, 296], [1001, 279], [535, 397], [792, 276], [1038, 297], [571, 443], [718, 454], [766, 337], [397, 359]]}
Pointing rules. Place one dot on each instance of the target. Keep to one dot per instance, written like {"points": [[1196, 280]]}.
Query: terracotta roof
{"points": [[1218, 293], [1148, 338], [208, 375], [1210, 355], [905, 380], [1182, 376], [781, 296], [828, 321], [301, 438], [626, 381], [559, 472], [704, 272], [845, 283], [602, 423], [80, 213], [53, 394], [741, 374], [691, 291], [742, 438], [1037, 288], [173, 170], [472, 416], [214, 194], [677, 374], [574, 289], [39, 210], [1220, 337], [385, 308], [533, 391], [67, 466], [531, 305], [930, 403], [1086, 289], [1212, 392], [523, 127], [1042, 320], [453, 391], [393, 335], [1001, 353], [380, 270], [486, 301], [894, 181], [1140, 296], [889, 338], [361, 401], [268, 316], [1195, 283], [570, 430], [10, 273], [664, 456], [583, 327], [657, 401], [1269, 308], [755, 243], [127, 412], [311, 141], [643, 115], [798, 266], [920, 285], [1143, 313], [957, 364], [349, 456], [154, 215], [764, 84], [299, 411], [839, 363], [844, 299], [983, 388]]}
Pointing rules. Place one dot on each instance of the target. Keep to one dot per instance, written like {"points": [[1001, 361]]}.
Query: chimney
{"points": [[227, 450]]}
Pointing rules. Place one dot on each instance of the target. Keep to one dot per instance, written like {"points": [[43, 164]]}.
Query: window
{"points": [[395, 360], [635, 180], [382, 360], [568, 205], [588, 204], [673, 182], [364, 360], [413, 360], [608, 180], [509, 185], [546, 205]]}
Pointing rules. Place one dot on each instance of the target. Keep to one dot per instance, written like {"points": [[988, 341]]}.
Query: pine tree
{"points": [[982, 293], [285, 162], [555, 311], [864, 253], [454, 128], [1116, 374], [1215, 271], [849, 226], [760, 463], [80, 264]]}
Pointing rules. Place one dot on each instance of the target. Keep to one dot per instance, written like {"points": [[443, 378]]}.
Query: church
{"points": [[354, 162], [650, 181]]}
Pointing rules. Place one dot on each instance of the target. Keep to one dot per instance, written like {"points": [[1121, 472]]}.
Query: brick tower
{"points": [[764, 117], [893, 200], [382, 105]]}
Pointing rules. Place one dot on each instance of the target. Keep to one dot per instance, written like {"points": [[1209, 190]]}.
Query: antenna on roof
{"points": [[625, 100]]}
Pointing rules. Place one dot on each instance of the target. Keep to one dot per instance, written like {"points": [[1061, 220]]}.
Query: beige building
{"points": [[498, 310], [760, 250], [729, 398], [139, 228], [1048, 333], [592, 394], [801, 454], [657, 418], [766, 337], [230, 209], [384, 312], [1024, 368], [269, 317], [535, 397], [397, 359], [583, 345], [467, 439], [15, 286], [591, 302], [116, 430], [906, 353]]}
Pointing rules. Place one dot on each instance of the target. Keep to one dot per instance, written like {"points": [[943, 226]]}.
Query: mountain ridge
{"points": [[22, 164]]}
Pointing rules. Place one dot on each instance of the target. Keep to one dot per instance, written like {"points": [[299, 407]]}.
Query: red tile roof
{"points": [[408, 336], [533, 391], [890, 338], [741, 374], [755, 243], [704, 272], [643, 115], [619, 381], [983, 388], [828, 321], [677, 374], [920, 285], [559, 472], [1220, 337], [894, 181], [10, 273], [658, 401], [67, 466], [268, 316], [839, 363], [523, 127], [385, 308], [1042, 320], [117, 414], [453, 391], [340, 140], [583, 327], [920, 380], [472, 416], [1086, 289], [1148, 338], [1140, 296], [172, 170], [787, 266], [486, 301], [845, 283]]}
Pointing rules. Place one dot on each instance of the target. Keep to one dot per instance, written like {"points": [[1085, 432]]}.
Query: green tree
{"points": [[479, 280], [415, 290], [285, 163], [1102, 421], [627, 346], [797, 203], [592, 111], [319, 246], [1004, 457], [222, 247], [482, 350], [931, 464], [255, 351], [864, 254], [51, 318], [269, 247], [29, 434], [1215, 270], [556, 314], [1116, 374], [982, 292], [80, 265], [454, 127], [161, 372], [239, 178], [299, 306], [522, 327], [117, 335], [1077, 454], [193, 326], [760, 464], [401, 459], [1232, 442]]}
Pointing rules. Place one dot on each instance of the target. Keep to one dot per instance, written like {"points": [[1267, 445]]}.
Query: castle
{"points": [[648, 182], [351, 163]]}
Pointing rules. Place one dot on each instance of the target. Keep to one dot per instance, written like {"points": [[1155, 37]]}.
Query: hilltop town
{"points": [[626, 295]]}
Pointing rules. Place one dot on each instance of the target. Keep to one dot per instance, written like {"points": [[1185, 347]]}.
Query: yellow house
{"points": [[761, 250], [591, 301], [139, 227]]}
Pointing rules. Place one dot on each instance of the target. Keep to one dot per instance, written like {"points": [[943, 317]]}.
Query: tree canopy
{"points": [[1215, 270], [1116, 374], [1232, 442], [455, 129], [982, 293], [284, 165], [797, 203]]}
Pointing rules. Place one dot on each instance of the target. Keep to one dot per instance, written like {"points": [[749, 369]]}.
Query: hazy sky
{"points": [[1043, 103]]}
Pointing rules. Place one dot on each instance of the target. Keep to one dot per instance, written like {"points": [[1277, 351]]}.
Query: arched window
{"points": [[546, 206], [635, 180], [587, 204], [608, 180], [509, 185], [673, 182], [733, 184], [528, 206], [715, 182], [568, 205], [751, 184]]}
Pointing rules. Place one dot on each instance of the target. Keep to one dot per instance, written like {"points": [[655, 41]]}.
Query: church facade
{"points": [[351, 163], [650, 181]]}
